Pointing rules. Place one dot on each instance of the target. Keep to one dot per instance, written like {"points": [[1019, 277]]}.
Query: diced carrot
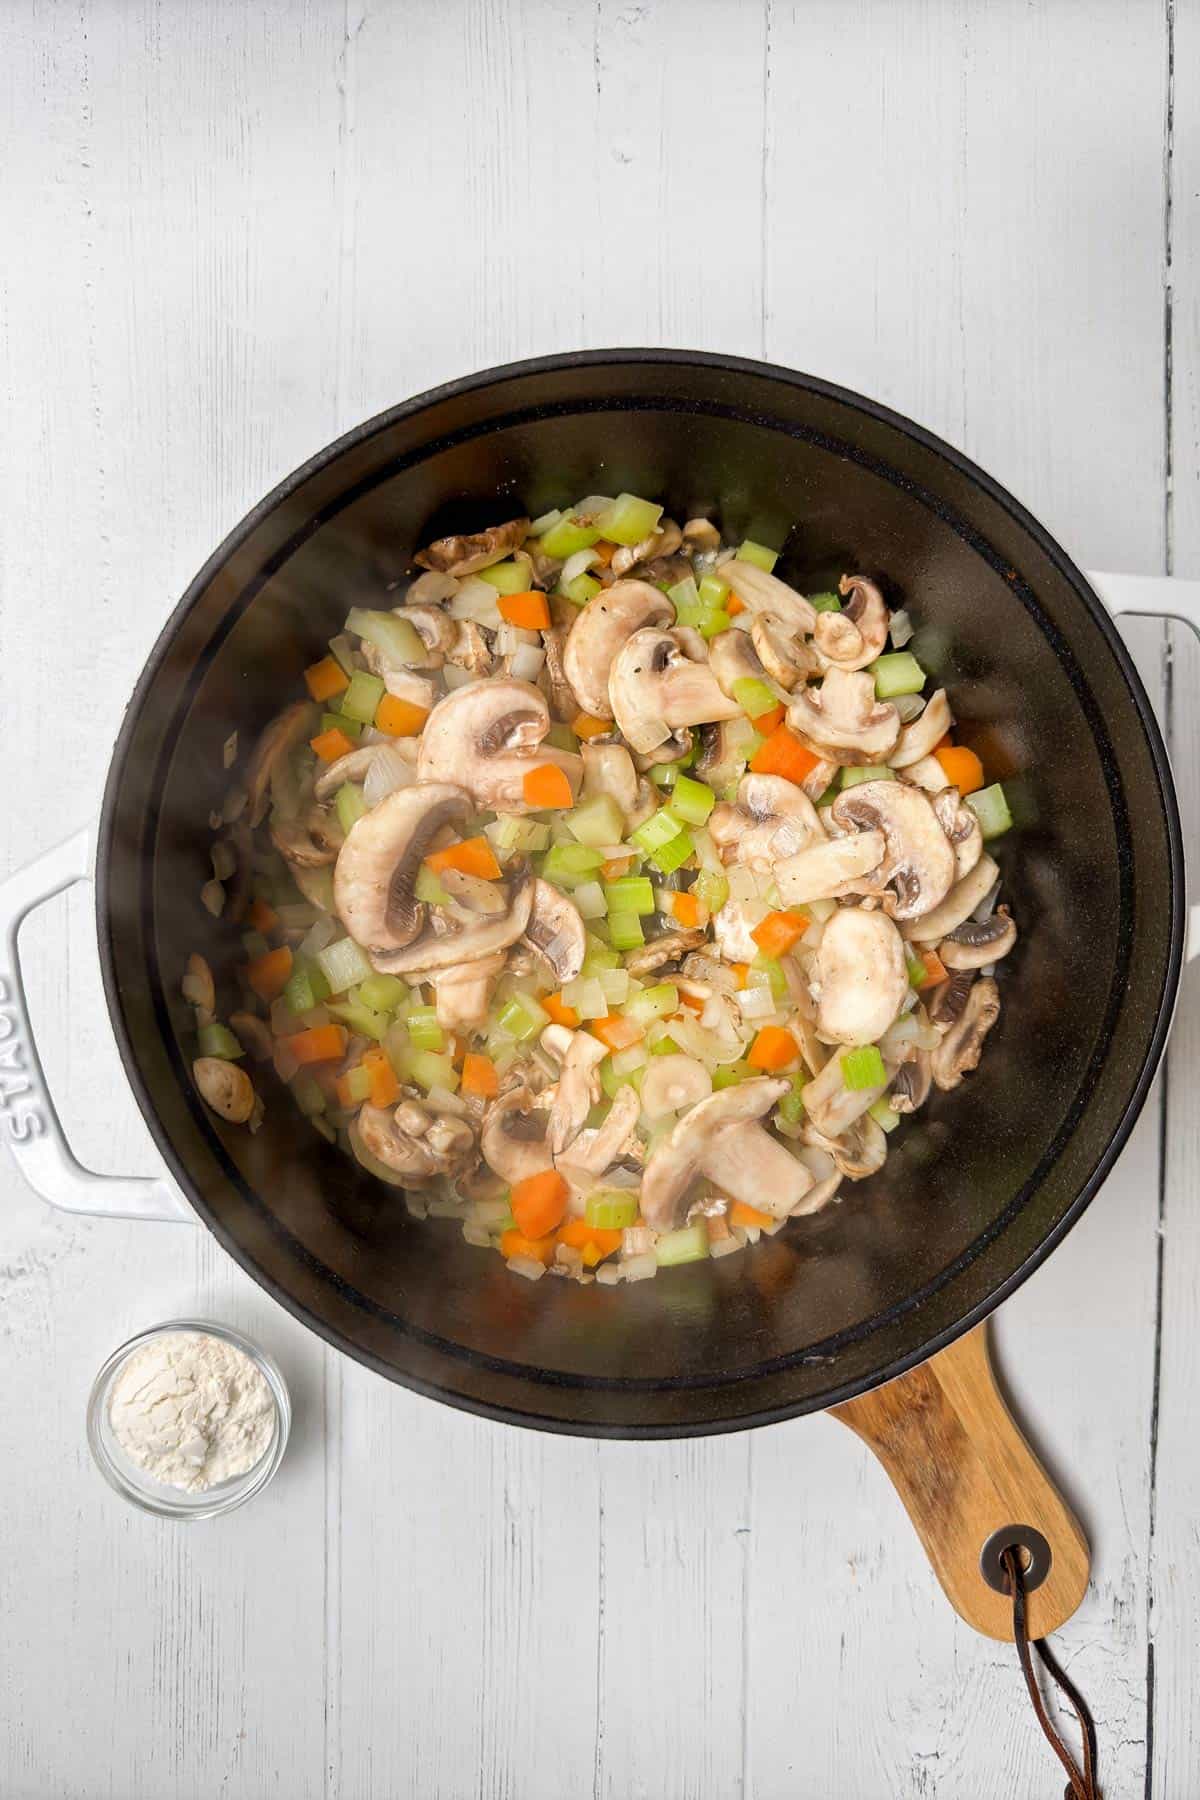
{"points": [[330, 745], [935, 969], [326, 678], [734, 606], [963, 768], [616, 1032], [741, 973], [559, 1011], [773, 1048], [262, 917], [766, 722], [778, 932], [603, 552], [615, 867], [323, 1043], [585, 726], [385, 1089], [268, 975], [479, 1077], [783, 754], [515, 1243], [686, 908], [741, 1214], [539, 1202], [546, 787], [579, 1234], [693, 1002], [530, 610], [400, 718], [472, 856]]}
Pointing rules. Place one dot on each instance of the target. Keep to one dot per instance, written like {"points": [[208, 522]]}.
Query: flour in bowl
{"points": [[192, 1410]]}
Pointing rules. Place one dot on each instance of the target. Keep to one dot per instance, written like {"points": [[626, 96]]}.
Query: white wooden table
{"points": [[232, 231]]}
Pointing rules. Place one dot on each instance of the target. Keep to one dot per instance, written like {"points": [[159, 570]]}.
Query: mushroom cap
{"points": [[654, 689], [761, 592], [786, 657], [466, 554], [577, 1091], [917, 740], [224, 1087], [733, 657], [977, 942], [513, 1140], [842, 719], [830, 1106], [682, 1154], [433, 952], [771, 818], [830, 868], [486, 737], [556, 931], [595, 1151], [857, 634], [958, 905], [378, 864], [960, 823], [673, 1082], [919, 862], [608, 619], [860, 976]]}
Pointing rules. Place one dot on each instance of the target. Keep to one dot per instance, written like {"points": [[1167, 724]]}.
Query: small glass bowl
{"points": [[141, 1489]]}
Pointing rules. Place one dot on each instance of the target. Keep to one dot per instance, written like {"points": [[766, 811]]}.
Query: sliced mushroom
{"points": [[830, 868], [830, 1106], [771, 818], [919, 862], [960, 1049], [961, 825], [486, 737], [958, 905], [608, 769], [949, 999], [605, 623], [351, 767], [378, 864], [553, 678], [593, 1152], [786, 658], [465, 555], [859, 1151], [669, 947], [721, 757], [732, 925], [654, 690], [760, 592], [198, 986], [453, 949], [857, 634], [293, 727], [645, 804], [976, 942], [694, 1144], [928, 773], [470, 895], [462, 995], [411, 1143], [732, 657], [556, 931], [690, 642], [398, 678], [701, 534], [311, 842], [225, 1087], [253, 1034], [860, 976], [843, 721], [663, 542], [914, 1077], [469, 649], [917, 740], [513, 1140], [672, 1083], [577, 1091]]}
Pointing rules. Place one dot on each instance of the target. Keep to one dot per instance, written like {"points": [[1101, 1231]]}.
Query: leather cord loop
{"points": [[1081, 1783]]}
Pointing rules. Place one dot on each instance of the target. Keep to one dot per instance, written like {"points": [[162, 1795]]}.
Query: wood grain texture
{"points": [[240, 230]]}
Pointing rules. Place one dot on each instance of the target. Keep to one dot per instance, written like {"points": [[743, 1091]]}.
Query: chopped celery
{"points": [[665, 775], [666, 1046], [507, 577], [513, 836], [389, 633], [686, 595], [306, 986], [691, 802], [712, 624], [990, 806], [217, 1040], [344, 965], [765, 970], [424, 1032], [614, 984], [885, 1116], [350, 804], [358, 1083], [580, 589], [660, 828], [824, 603], [308, 1094], [362, 697], [598, 955], [652, 1003], [429, 1070], [255, 945], [672, 856], [522, 1017], [628, 520], [732, 1073], [343, 653], [597, 821], [332, 721], [754, 697], [896, 674], [589, 901], [918, 974], [567, 535], [611, 1080], [610, 1209], [791, 1107], [865, 772], [542, 524], [567, 865], [562, 737], [688, 1244], [428, 888], [382, 993], [712, 592], [626, 930], [758, 555], [711, 889], [631, 893], [863, 1068], [361, 1018]]}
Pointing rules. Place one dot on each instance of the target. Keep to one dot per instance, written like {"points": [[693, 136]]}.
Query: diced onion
{"points": [[910, 707], [526, 1266], [476, 600], [431, 589], [901, 629], [454, 677], [389, 770], [212, 896], [441, 1100], [579, 564], [476, 1235], [318, 938], [757, 1002], [638, 1268], [224, 860], [527, 662]]}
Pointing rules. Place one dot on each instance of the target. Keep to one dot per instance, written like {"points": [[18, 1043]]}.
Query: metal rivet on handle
{"points": [[1037, 1557]]}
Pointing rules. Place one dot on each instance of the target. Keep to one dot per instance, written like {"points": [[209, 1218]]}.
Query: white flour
{"points": [[191, 1410]]}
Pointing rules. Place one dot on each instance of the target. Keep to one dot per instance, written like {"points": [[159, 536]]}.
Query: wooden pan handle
{"points": [[964, 1471]]}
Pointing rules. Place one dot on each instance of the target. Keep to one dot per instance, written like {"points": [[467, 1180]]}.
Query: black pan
{"points": [[976, 1192]]}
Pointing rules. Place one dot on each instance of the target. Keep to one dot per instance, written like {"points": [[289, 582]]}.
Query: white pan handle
{"points": [[1160, 597], [28, 1120]]}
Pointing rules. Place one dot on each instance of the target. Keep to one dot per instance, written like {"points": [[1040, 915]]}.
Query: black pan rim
{"points": [[963, 465]]}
